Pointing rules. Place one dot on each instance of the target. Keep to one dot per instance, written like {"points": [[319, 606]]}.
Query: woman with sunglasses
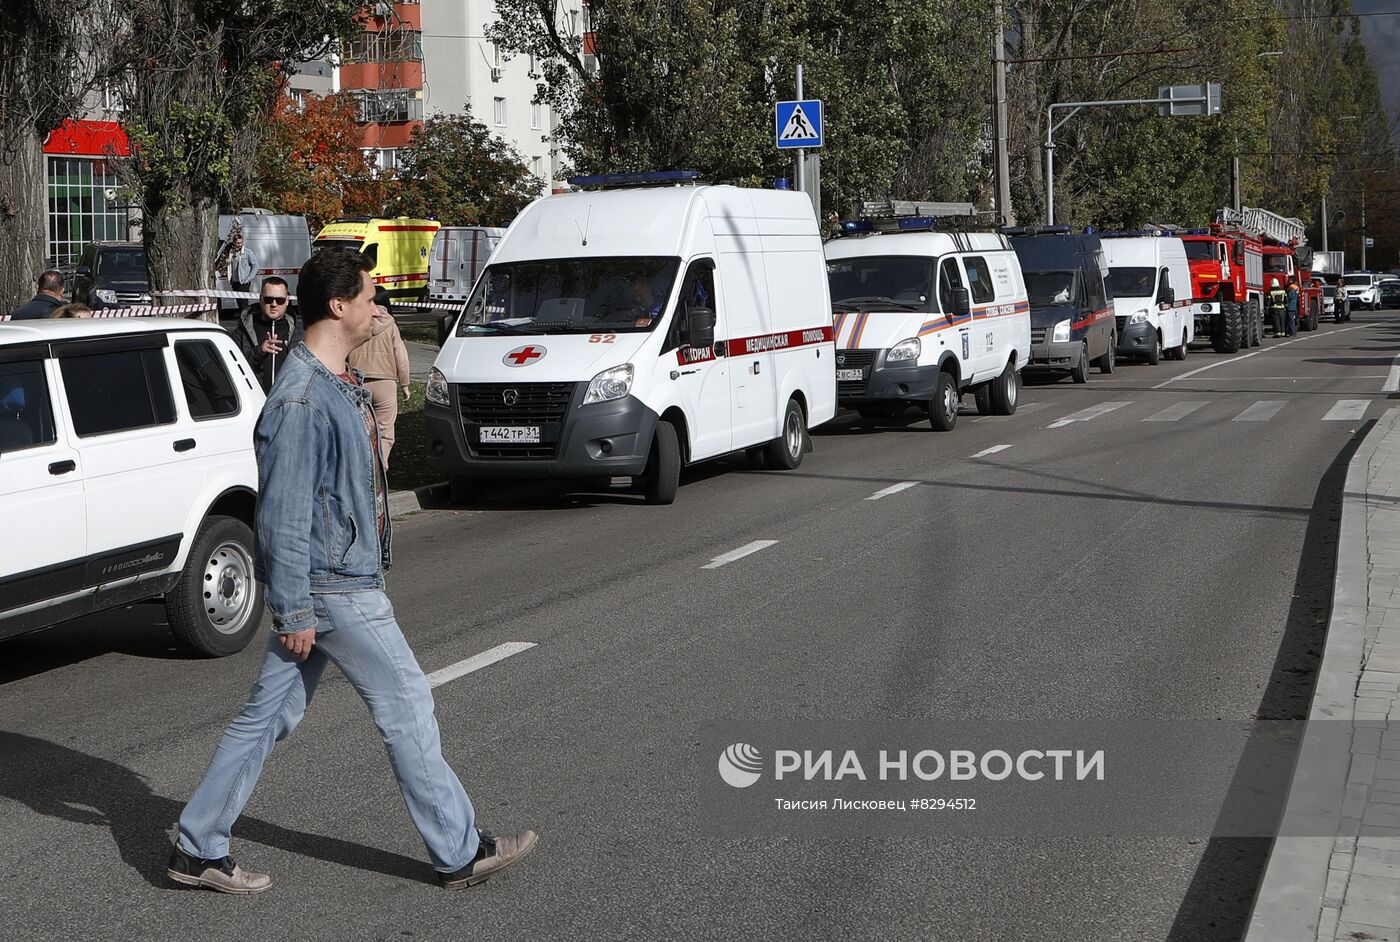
{"points": [[268, 330]]}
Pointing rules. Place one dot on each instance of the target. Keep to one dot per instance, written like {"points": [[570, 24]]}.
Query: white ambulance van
{"points": [[1152, 305], [923, 315], [631, 328]]}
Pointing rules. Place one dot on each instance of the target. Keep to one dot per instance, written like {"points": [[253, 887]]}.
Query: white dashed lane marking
{"points": [[1347, 410], [1261, 411], [477, 661], [893, 489], [748, 549], [1085, 415], [991, 451], [1176, 412]]}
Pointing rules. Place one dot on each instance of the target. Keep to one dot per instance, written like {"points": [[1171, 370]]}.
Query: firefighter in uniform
{"points": [[1278, 303]]}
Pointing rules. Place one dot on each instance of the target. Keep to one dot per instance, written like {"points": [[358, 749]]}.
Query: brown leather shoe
{"points": [[493, 855], [219, 873]]}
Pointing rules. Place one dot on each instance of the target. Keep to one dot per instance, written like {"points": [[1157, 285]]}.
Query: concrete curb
{"points": [[1288, 906], [403, 503]]}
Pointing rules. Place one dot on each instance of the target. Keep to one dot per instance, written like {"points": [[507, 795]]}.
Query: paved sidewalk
{"points": [[1347, 887], [420, 359]]}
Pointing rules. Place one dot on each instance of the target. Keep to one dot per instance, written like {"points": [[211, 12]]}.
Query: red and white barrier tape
{"points": [[211, 293], [147, 310]]}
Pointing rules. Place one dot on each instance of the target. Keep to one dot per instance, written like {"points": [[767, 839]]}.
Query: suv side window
{"points": [[26, 415], [117, 391], [209, 389], [979, 279], [697, 291]]}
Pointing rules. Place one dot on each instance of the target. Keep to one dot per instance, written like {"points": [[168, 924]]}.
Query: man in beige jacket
{"points": [[383, 359]]}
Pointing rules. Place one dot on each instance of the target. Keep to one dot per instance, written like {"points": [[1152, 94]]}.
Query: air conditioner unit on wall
{"points": [[496, 73]]}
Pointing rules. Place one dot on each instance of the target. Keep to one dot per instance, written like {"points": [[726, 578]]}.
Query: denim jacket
{"points": [[317, 530]]}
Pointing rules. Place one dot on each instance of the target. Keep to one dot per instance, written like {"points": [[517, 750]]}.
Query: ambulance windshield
{"points": [[1050, 287], [882, 282], [571, 295], [1133, 282]]}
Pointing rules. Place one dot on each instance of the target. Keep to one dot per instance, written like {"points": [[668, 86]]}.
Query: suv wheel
{"points": [[215, 606]]}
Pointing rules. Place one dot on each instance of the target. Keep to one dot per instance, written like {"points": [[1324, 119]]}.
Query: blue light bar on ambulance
{"points": [[636, 179], [918, 223], [858, 225], [1035, 230], [1196, 232]]}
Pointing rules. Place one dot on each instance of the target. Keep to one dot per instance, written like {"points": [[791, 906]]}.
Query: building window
{"points": [[535, 114], [111, 98], [384, 45], [537, 167], [383, 159], [500, 111], [387, 105], [79, 210]]}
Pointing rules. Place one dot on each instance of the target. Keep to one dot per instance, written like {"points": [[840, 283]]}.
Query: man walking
{"points": [[323, 542], [48, 300], [268, 330]]}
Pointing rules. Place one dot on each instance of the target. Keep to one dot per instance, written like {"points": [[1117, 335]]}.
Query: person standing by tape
{"points": [[267, 331], [323, 544]]}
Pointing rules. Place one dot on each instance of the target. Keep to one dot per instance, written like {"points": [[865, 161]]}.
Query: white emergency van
{"points": [[458, 255], [281, 244], [922, 316], [630, 330], [1152, 304]]}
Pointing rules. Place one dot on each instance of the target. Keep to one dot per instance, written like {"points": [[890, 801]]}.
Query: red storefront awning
{"points": [[88, 139]]}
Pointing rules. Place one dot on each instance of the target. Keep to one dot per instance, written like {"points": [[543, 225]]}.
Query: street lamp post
{"points": [[1208, 100]]}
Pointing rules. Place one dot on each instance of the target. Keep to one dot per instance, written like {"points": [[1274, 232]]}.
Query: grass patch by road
{"points": [[420, 333], [408, 462]]}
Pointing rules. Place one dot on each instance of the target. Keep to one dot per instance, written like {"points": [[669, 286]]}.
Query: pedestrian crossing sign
{"points": [[798, 123]]}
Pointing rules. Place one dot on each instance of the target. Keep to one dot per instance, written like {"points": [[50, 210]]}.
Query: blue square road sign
{"points": [[798, 123]]}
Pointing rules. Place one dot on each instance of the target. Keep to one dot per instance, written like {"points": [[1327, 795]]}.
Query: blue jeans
{"points": [[357, 632], [1293, 321]]}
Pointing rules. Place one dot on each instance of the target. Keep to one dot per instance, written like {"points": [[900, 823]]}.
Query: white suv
{"points": [[127, 472]]}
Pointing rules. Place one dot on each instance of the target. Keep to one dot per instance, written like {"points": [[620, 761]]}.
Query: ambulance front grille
{"points": [[862, 360], [544, 405], [1037, 335]]}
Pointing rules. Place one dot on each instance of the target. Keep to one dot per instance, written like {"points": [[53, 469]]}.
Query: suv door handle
{"points": [[63, 467], [184, 444]]}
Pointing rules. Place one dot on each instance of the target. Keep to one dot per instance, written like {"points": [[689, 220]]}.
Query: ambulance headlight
{"points": [[905, 350], [106, 295], [1060, 332], [610, 384], [1139, 317], [437, 387]]}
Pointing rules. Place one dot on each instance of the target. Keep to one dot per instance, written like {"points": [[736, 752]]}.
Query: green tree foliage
{"points": [[455, 170], [205, 77], [663, 84], [669, 84]]}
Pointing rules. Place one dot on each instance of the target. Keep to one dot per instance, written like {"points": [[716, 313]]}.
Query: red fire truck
{"points": [[1235, 261]]}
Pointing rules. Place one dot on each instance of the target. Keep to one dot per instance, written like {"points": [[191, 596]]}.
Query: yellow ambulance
{"points": [[397, 248]]}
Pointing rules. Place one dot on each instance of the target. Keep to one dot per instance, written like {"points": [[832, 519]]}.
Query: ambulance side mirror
{"points": [[1166, 295], [959, 302], [702, 322]]}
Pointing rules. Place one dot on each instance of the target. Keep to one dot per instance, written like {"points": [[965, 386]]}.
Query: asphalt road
{"points": [[1170, 557]]}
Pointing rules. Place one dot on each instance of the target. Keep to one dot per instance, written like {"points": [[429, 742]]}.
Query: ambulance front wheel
{"points": [[785, 451], [1080, 371], [663, 471], [943, 407]]}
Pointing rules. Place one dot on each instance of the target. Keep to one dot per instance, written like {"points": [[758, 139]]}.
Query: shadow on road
{"points": [[137, 630], [1218, 901], [72, 786]]}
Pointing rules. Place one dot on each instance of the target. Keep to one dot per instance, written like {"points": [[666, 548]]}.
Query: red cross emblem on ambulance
{"points": [[523, 356]]}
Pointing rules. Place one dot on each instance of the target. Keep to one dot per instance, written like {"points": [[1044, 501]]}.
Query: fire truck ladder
{"points": [[1262, 222]]}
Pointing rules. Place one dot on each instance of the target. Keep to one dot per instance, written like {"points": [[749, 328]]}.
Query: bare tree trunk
{"points": [[180, 238], [22, 201]]}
